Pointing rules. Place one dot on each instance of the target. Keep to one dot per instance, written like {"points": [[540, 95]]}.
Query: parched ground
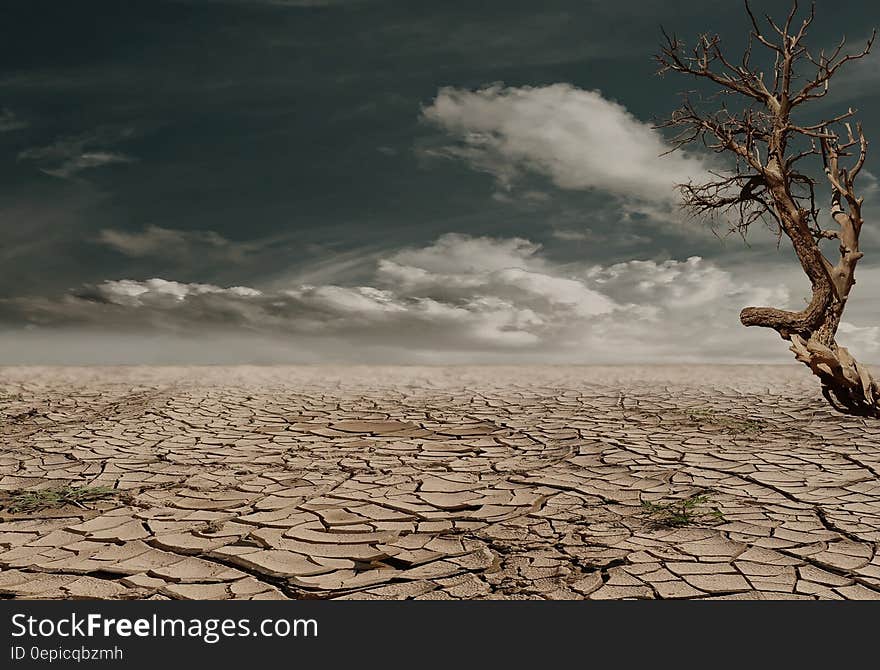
{"points": [[420, 482]]}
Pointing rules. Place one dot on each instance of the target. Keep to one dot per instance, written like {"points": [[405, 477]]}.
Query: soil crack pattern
{"points": [[702, 482]]}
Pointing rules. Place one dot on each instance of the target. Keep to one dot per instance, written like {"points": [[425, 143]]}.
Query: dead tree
{"points": [[758, 116]]}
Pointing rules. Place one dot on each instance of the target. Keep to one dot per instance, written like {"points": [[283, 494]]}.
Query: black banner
{"points": [[134, 634]]}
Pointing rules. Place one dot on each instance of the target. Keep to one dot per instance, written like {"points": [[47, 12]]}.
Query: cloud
{"points": [[855, 78], [592, 236], [68, 156], [278, 3], [9, 121], [681, 285], [577, 138], [85, 161], [501, 274], [462, 299], [178, 244], [192, 253], [467, 255], [864, 339], [308, 3]]}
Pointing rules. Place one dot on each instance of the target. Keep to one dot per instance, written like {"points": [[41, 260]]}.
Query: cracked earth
{"points": [[436, 483]]}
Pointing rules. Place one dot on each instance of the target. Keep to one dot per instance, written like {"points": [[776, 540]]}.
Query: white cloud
{"points": [[864, 339], [577, 138], [857, 77], [139, 293], [619, 237], [462, 298], [85, 161], [69, 156], [197, 250], [158, 241], [681, 285], [463, 254]]}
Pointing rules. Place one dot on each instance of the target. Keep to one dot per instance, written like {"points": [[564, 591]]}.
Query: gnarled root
{"points": [[846, 383]]}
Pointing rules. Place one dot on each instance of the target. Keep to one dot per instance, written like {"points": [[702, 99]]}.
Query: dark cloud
{"points": [[9, 121]]}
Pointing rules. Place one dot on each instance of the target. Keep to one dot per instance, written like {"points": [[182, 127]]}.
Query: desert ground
{"points": [[694, 482]]}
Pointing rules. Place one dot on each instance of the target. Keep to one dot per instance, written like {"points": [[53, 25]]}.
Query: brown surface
{"points": [[357, 482]]}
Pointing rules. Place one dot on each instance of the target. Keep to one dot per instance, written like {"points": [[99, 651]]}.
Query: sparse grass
{"points": [[689, 511], [20, 417], [33, 501], [213, 526], [733, 424]]}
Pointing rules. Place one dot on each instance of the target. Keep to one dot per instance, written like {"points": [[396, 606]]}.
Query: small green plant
{"points": [[731, 423], [34, 501], [688, 511]]}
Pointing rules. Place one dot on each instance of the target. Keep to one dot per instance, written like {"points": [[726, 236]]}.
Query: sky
{"points": [[381, 181]]}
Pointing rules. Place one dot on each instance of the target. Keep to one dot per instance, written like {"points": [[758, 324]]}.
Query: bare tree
{"points": [[759, 117]]}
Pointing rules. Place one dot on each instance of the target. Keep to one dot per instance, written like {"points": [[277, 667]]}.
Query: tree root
{"points": [[846, 384]]}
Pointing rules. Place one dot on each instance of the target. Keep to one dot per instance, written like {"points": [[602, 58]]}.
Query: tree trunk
{"points": [[846, 384]]}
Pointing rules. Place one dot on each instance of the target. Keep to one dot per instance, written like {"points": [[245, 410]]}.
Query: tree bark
{"points": [[847, 384]]}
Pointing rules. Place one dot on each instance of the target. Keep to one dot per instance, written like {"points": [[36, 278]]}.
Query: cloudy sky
{"points": [[221, 181]]}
